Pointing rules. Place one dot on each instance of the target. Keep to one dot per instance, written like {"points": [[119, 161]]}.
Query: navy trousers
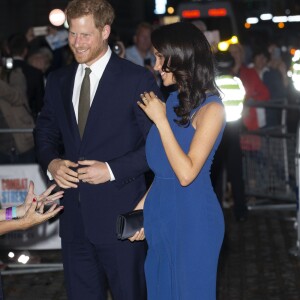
{"points": [[91, 269]]}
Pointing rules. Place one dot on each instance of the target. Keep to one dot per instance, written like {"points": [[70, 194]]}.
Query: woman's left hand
{"points": [[35, 215], [138, 236], [153, 107]]}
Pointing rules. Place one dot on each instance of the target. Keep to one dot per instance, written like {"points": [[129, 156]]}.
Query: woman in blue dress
{"points": [[183, 221]]}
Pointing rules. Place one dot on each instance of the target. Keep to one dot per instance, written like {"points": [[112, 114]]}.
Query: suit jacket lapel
{"points": [[67, 87]]}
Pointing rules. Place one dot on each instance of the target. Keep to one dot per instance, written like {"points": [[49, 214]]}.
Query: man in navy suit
{"points": [[101, 168]]}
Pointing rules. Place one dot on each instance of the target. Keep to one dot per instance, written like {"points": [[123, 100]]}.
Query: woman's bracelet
{"points": [[11, 213], [14, 212], [8, 213]]}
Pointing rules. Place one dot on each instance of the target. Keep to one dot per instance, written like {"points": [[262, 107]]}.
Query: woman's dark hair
{"points": [[189, 57]]}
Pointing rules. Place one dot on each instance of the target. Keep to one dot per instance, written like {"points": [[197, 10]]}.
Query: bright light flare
{"points": [[234, 40], [294, 18], [160, 7], [170, 10], [223, 46], [23, 259], [252, 20], [280, 19], [57, 17], [266, 17]]}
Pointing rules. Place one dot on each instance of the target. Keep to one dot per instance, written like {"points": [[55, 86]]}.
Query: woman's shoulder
{"points": [[211, 103], [210, 100]]}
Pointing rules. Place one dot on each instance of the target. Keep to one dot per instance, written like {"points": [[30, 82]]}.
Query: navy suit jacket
{"points": [[115, 132]]}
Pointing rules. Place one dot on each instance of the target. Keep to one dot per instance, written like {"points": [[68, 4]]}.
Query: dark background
{"points": [[17, 15]]}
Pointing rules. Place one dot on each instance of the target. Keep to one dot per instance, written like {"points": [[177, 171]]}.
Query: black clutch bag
{"points": [[129, 223]]}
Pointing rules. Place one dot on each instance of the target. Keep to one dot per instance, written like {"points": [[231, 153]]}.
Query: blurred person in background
{"points": [[30, 213], [274, 81], [18, 50], [55, 40], [276, 62], [256, 90], [253, 118], [141, 51], [213, 36], [36, 38], [41, 59], [15, 113]]}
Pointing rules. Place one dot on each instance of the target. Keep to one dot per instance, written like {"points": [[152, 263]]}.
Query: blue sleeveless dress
{"points": [[184, 226]]}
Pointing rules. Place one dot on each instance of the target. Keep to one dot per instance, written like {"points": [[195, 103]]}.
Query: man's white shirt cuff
{"points": [[112, 177]]}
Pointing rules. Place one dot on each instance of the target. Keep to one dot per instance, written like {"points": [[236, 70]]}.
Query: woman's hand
{"points": [[153, 107], [44, 198], [35, 215], [138, 236]]}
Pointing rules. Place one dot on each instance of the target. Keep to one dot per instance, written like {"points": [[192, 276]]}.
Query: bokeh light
{"points": [[57, 17]]}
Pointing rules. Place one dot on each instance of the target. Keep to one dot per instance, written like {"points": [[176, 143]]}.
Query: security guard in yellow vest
{"points": [[233, 95]]}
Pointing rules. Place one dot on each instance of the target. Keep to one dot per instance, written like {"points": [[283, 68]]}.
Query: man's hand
{"points": [[94, 172], [64, 176]]}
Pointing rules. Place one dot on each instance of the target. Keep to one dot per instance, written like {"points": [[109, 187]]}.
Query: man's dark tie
{"points": [[84, 101]]}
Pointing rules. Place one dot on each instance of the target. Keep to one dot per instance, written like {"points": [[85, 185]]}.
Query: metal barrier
{"points": [[296, 250], [16, 130], [269, 168], [14, 269], [272, 166]]}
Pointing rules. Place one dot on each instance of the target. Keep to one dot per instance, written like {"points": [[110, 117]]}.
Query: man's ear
{"points": [[106, 32]]}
